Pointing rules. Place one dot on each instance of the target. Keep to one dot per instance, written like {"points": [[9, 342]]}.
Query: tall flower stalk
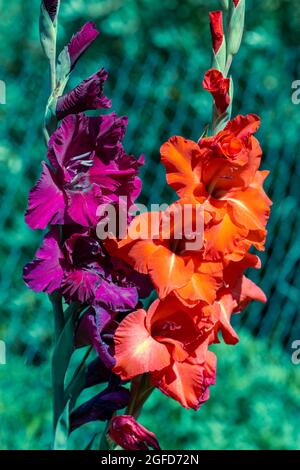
{"points": [[96, 286]]}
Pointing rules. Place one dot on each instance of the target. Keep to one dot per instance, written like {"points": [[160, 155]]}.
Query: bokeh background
{"points": [[156, 53]]}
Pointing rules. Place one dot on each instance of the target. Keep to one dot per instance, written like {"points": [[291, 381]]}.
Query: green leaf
{"points": [[47, 33], [62, 430], [89, 446], [60, 361]]}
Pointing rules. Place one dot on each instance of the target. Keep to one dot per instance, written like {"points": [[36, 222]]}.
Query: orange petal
{"points": [[187, 382], [243, 126], [177, 155], [223, 238], [250, 208], [168, 271], [136, 351], [227, 306], [201, 287]]}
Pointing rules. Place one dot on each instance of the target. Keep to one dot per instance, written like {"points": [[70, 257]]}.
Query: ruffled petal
{"points": [[46, 272], [46, 202], [136, 351]]}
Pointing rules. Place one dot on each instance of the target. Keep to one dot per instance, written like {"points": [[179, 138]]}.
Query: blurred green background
{"points": [[156, 53]]}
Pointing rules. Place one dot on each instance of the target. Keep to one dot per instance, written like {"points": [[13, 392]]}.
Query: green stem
{"points": [[228, 64], [141, 389], [59, 320]]}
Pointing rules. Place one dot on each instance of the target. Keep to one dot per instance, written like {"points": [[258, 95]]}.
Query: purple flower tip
{"points": [[51, 7], [81, 41], [87, 95], [99, 408]]}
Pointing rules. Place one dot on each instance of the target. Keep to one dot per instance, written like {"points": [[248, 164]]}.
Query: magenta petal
{"points": [[46, 272], [110, 132], [117, 298], [80, 136], [81, 41], [46, 201], [69, 141], [91, 326], [80, 285], [87, 95], [83, 205]]}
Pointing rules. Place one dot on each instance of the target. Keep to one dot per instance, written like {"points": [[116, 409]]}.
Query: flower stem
{"points": [[59, 320]]}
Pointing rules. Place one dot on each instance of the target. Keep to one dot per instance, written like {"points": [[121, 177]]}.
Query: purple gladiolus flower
{"points": [[82, 271], [100, 408], [87, 95], [81, 41], [89, 168], [51, 7]]}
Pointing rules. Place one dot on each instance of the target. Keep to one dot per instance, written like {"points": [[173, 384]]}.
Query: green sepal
{"points": [[47, 33], [236, 28], [204, 133], [50, 121], [225, 4], [219, 59], [62, 429], [63, 69]]}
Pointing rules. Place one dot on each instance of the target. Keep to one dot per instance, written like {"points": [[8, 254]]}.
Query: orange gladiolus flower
{"points": [[174, 265], [170, 343], [221, 172]]}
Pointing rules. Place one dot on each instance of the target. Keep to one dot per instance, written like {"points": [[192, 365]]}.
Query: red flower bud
{"points": [[218, 86], [216, 27], [129, 434], [236, 2]]}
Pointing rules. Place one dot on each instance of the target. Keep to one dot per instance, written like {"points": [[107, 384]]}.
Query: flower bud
{"points": [[218, 40], [218, 86], [125, 431], [236, 2], [48, 15], [52, 7], [87, 95], [216, 28]]}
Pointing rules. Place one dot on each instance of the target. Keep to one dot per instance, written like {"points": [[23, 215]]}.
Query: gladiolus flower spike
{"points": [[96, 285]]}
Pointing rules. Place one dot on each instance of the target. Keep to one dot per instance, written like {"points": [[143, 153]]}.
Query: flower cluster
{"points": [[192, 254], [198, 289], [86, 168]]}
